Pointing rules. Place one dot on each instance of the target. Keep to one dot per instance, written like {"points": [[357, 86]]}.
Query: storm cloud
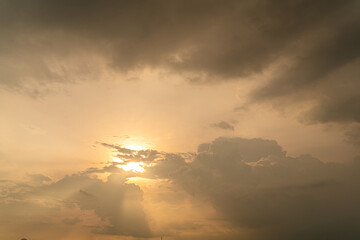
{"points": [[254, 185], [221, 40], [204, 41]]}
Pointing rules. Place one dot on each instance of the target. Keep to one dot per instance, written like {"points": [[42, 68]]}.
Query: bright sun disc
{"points": [[135, 147], [133, 166]]}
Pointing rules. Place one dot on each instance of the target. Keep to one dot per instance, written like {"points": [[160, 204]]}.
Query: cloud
{"points": [[39, 177], [115, 201], [199, 38], [254, 185], [339, 109], [71, 221], [116, 205], [324, 76], [311, 67], [352, 136], [127, 154], [53, 42], [223, 125]]}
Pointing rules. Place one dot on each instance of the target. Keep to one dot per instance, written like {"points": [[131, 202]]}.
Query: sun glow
{"points": [[117, 160], [135, 147], [132, 166]]}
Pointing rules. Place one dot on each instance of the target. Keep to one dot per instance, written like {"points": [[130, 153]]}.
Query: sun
{"points": [[124, 161], [132, 166], [135, 147], [116, 159]]}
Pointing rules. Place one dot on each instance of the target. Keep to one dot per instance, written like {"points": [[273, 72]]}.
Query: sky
{"points": [[180, 120]]}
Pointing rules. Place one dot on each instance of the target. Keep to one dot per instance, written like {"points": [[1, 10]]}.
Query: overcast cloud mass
{"points": [[141, 119], [252, 184]]}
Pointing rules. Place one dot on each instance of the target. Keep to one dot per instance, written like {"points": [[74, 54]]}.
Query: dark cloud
{"points": [[327, 75], [341, 109], [86, 193], [208, 38], [328, 55], [254, 185], [352, 136], [205, 41], [223, 125]]}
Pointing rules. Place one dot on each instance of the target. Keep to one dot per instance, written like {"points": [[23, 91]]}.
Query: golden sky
{"points": [[186, 120]]}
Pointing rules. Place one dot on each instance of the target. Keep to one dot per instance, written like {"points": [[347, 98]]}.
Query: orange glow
{"points": [[132, 166]]}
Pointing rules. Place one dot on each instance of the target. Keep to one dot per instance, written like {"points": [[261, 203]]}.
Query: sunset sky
{"points": [[180, 119]]}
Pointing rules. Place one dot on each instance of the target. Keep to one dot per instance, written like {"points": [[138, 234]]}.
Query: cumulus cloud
{"points": [[117, 205], [115, 201], [254, 185]]}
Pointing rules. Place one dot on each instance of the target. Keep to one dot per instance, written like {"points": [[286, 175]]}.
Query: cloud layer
{"points": [[251, 183], [255, 186], [204, 41], [110, 207]]}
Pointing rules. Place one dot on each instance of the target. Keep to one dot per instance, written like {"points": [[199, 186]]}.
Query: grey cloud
{"points": [[118, 148], [86, 193], [71, 221], [352, 136], [161, 164], [116, 203], [341, 109], [205, 41], [166, 167], [220, 40], [126, 154], [313, 66], [223, 125], [327, 74], [39, 177], [254, 185]]}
